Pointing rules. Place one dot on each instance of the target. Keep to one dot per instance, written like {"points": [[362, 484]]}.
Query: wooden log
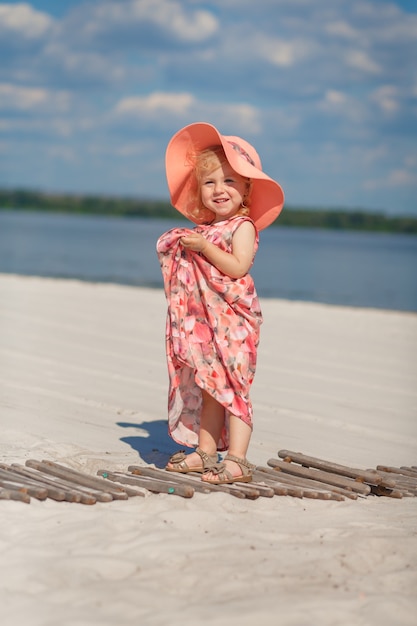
{"points": [[411, 470], [309, 483], [158, 474], [35, 492], [395, 470], [378, 490], [264, 490], [57, 488], [73, 494], [278, 488], [322, 476], [118, 492], [250, 492], [6, 494], [401, 479], [304, 488], [151, 484], [190, 478], [55, 491], [194, 477], [370, 477], [68, 487]]}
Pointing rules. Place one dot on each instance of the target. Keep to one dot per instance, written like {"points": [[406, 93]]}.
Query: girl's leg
{"points": [[211, 424], [240, 434]]}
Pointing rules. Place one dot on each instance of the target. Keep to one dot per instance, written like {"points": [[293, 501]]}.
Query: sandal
{"points": [[224, 477], [178, 460]]}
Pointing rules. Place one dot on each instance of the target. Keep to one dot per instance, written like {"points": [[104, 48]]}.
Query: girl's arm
{"points": [[235, 264]]}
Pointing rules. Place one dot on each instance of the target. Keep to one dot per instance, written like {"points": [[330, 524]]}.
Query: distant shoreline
{"points": [[333, 219]]}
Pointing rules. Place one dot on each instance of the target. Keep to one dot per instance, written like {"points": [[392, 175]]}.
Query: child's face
{"points": [[223, 191]]}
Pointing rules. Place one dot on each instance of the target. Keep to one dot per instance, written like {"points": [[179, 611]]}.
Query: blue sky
{"points": [[326, 90]]}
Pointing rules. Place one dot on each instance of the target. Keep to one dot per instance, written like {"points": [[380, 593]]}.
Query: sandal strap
{"points": [[178, 460], [208, 459], [220, 470], [240, 462]]}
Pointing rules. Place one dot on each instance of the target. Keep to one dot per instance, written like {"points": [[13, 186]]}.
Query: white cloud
{"points": [[336, 80], [342, 29], [22, 20], [167, 16], [395, 178], [185, 108], [32, 98], [156, 104], [387, 99], [281, 52], [360, 60]]}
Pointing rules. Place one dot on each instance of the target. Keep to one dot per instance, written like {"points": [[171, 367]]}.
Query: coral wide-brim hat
{"points": [[267, 196]]}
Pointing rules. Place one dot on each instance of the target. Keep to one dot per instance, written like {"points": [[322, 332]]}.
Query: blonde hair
{"points": [[204, 163]]}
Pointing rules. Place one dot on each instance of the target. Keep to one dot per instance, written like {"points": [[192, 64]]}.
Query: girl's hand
{"points": [[194, 241]]}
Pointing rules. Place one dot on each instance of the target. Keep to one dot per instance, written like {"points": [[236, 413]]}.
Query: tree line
{"points": [[336, 219]]}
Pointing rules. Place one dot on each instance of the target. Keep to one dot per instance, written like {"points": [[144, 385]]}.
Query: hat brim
{"points": [[267, 197]]}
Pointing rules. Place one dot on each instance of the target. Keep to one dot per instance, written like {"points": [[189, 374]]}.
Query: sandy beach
{"points": [[83, 383]]}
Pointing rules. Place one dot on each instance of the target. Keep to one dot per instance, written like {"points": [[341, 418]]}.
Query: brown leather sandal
{"points": [[224, 477], [179, 464]]}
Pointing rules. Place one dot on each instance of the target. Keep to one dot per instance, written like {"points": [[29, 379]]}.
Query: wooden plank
{"points": [[158, 474], [194, 479], [151, 484], [118, 492], [307, 487], [35, 492], [239, 490], [395, 470], [370, 477], [6, 494], [413, 472], [401, 479], [56, 491], [320, 475], [378, 490]]}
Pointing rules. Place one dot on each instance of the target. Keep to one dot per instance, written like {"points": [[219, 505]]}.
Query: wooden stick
{"points": [[310, 483], [119, 493], [35, 492], [158, 474], [6, 494], [412, 472], [56, 491], [306, 488], [246, 490], [66, 485], [151, 484], [401, 480], [72, 494], [371, 477], [194, 479], [278, 488], [395, 470], [322, 476], [378, 490]]}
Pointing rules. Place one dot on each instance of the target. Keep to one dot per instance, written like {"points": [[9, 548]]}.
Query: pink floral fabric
{"points": [[212, 332]]}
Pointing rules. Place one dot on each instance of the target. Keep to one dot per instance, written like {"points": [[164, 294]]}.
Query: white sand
{"points": [[83, 382]]}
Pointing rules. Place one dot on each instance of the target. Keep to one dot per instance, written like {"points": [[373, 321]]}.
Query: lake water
{"points": [[335, 267]]}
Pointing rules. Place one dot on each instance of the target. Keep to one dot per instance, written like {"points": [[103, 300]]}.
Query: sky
{"points": [[91, 91]]}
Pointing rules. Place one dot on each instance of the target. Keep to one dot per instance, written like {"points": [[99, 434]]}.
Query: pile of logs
{"points": [[292, 474]]}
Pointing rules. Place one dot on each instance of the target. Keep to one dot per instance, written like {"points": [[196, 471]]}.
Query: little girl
{"points": [[214, 317]]}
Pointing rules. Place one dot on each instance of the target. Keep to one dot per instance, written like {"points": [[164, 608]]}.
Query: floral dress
{"points": [[212, 332]]}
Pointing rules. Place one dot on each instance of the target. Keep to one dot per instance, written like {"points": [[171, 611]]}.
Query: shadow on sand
{"points": [[151, 441]]}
